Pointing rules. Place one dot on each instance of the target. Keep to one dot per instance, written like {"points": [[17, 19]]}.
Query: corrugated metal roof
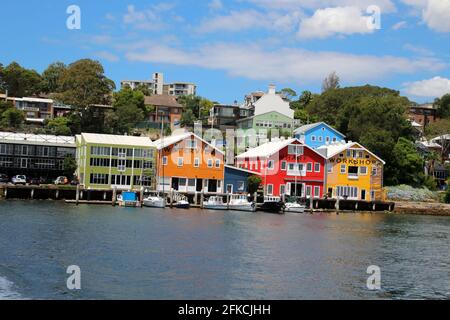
{"points": [[25, 138], [109, 139], [168, 141], [266, 150], [330, 150]]}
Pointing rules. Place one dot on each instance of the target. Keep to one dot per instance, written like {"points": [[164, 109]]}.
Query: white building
{"points": [[263, 103], [159, 87]]}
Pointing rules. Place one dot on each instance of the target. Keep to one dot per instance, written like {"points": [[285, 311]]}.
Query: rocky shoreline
{"points": [[423, 208]]}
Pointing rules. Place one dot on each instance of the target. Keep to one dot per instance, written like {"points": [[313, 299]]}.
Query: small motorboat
{"points": [[294, 207], [182, 204], [128, 199], [215, 203], [154, 202], [272, 204], [239, 202]]}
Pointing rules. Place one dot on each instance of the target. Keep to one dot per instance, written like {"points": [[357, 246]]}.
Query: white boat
{"points": [[128, 199], [182, 204], [215, 203], [240, 202], [294, 207], [154, 202]]}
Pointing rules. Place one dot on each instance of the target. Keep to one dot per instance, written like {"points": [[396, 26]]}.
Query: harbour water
{"points": [[198, 254]]}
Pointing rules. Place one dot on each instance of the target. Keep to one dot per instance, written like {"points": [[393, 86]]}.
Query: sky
{"points": [[232, 47]]}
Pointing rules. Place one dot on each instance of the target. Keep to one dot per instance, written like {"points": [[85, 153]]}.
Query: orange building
{"points": [[167, 110], [187, 163]]}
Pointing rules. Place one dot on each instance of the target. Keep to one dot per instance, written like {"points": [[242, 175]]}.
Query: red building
{"points": [[287, 167]]}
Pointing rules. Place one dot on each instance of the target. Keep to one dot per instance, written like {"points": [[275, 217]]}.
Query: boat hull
{"points": [[295, 210], [215, 207], [154, 204], [247, 208], [272, 207]]}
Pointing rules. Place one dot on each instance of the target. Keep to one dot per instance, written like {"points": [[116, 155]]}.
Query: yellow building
{"points": [[353, 172]]}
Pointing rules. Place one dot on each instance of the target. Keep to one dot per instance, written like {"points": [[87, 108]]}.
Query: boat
{"points": [[294, 207], [128, 199], [272, 204], [154, 202], [239, 202], [182, 204], [215, 203]]}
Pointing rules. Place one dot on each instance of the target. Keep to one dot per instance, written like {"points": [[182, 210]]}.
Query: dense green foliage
{"points": [[195, 108], [18, 81], [10, 117], [253, 184], [69, 166]]}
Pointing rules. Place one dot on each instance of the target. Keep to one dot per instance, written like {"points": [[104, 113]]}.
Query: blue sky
{"points": [[232, 47]]}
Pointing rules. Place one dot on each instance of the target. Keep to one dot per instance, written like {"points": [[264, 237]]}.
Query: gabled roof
{"points": [[243, 170], [268, 149], [307, 127], [333, 149], [262, 114], [162, 101], [109, 139], [168, 141]]}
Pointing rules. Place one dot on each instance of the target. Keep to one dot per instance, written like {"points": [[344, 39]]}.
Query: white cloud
{"points": [[437, 15], [108, 56], [400, 25], [148, 19], [253, 61], [250, 19], [386, 6], [432, 88], [215, 5], [330, 21], [418, 50]]}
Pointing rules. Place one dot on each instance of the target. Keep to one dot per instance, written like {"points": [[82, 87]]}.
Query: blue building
{"points": [[318, 134], [236, 179]]}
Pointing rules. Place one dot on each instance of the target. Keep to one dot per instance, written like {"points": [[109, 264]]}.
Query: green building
{"points": [[267, 121], [112, 161]]}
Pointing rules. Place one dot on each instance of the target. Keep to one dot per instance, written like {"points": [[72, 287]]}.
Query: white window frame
{"points": [[196, 162], [316, 192], [282, 186], [178, 161], [343, 169], [309, 164], [271, 188], [360, 171], [315, 166], [217, 163], [284, 163], [271, 164], [165, 161], [210, 163]]}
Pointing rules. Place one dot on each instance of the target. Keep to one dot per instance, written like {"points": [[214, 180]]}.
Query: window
{"points": [[180, 162], [196, 162], [353, 171], [217, 163], [334, 139], [330, 168], [309, 167], [363, 170], [192, 183], [327, 139], [282, 189], [121, 166], [270, 189], [182, 182], [283, 165], [374, 171], [99, 178], [313, 138], [164, 161], [308, 191], [191, 144], [320, 138], [350, 192], [271, 165], [210, 163], [316, 167], [316, 192], [343, 168], [295, 150], [241, 185]]}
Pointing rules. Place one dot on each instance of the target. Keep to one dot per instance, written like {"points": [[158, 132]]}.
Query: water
{"points": [[195, 254]]}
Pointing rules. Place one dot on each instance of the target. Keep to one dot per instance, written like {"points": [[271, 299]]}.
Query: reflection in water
{"points": [[181, 254]]}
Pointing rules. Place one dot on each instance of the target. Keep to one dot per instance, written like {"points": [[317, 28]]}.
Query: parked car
{"points": [[61, 180], [19, 179], [37, 181], [3, 178]]}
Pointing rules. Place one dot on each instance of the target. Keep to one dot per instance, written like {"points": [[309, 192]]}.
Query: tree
{"points": [[331, 82], [83, 84], [20, 82], [59, 126], [439, 129], [146, 91], [408, 163], [187, 118], [69, 166], [443, 106], [128, 111], [288, 93], [253, 182], [51, 77], [12, 118]]}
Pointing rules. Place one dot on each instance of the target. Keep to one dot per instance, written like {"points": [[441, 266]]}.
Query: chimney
{"points": [[272, 89]]}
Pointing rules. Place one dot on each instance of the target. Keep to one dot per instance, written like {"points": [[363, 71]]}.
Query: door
{"points": [[229, 188], [212, 185], [175, 183], [199, 185], [296, 189], [363, 194], [23, 163]]}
